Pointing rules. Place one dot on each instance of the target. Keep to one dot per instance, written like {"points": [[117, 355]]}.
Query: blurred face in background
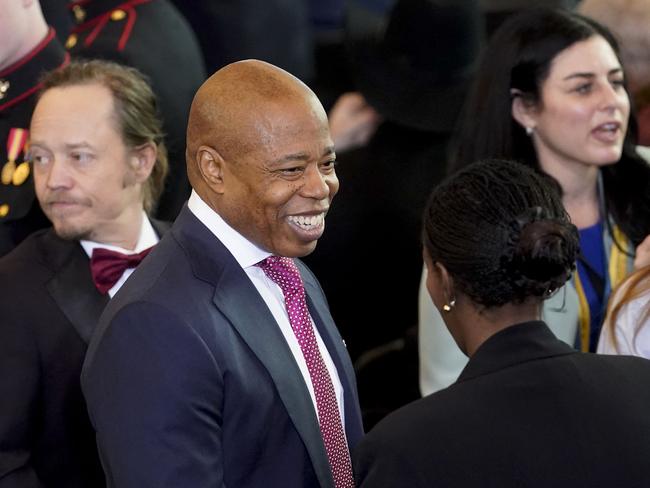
{"points": [[22, 27], [12, 25]]}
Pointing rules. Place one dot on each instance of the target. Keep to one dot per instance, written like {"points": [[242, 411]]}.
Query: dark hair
{"points": [[519, 56], [135, 109], [500, 230]]}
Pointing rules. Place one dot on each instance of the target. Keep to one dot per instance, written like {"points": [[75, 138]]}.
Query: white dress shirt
{"points": [[147, 238], [248, 255]]}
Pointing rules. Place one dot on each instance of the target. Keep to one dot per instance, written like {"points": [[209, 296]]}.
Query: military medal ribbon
{"points": [[15, 144]]}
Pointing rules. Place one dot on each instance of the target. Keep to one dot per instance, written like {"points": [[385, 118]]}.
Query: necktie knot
{"points": [[107, 266], [284, 272]]}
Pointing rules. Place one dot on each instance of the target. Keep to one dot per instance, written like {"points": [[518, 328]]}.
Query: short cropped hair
{"points": [[135, 109]]}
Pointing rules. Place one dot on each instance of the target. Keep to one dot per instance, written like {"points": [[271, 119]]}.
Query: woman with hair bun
{"points": [[528, 409], [551, 94]]}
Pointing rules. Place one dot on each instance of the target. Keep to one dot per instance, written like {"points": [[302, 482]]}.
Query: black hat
{"points": [[415, 64]]}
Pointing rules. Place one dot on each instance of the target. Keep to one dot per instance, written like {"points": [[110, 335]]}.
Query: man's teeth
{"points": [[307, 222]]}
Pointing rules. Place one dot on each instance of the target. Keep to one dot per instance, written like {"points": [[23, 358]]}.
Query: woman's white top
{"points": [[631, 334]]}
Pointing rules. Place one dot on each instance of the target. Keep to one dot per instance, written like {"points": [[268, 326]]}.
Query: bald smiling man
{"points": [[218, 363]]}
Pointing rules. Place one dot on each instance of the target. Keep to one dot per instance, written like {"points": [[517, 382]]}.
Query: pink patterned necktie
{"points": [[284, 272]]}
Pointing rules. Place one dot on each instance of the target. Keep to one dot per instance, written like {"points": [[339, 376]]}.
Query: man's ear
{"points": [[143, 159], [523, 111], [211, 167]]}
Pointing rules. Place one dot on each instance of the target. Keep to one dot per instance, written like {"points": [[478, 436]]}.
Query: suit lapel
{"points": [[239, 301], [71, 285], [72, 288], [334, 344], [159, 226]]}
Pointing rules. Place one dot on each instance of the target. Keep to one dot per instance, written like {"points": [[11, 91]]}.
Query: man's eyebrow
{"points": [[78, 145], [68, 146], [301, 156], [33, 143]]}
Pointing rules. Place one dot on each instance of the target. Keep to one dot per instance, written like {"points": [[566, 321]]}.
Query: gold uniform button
{"points": [[21, 174], [79, 13], [4, 88], [4, 210], [71, 41], [118, 14]]}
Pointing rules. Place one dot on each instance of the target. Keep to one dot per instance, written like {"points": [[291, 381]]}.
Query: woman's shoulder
{"points": [[627, 325]]}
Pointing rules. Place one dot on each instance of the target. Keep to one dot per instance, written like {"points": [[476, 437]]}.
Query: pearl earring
{"points": [[448, 306]]}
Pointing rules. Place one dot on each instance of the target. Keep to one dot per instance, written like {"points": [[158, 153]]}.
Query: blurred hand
{"points": [[642, 258], [352, 122]]}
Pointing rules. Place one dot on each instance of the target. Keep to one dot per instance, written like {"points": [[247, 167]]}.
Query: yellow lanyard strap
{"points": [[618, 270]]}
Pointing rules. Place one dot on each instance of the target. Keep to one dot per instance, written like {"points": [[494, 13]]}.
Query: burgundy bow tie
{"points": [[107, 267]]}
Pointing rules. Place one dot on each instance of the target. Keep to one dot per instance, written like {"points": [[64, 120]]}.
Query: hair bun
{"points": [[540, 253]]}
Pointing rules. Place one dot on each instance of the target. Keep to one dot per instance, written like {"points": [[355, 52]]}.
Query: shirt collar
{"points": [[244, 251], [147, 238]]}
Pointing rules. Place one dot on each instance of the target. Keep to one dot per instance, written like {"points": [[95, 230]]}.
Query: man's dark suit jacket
{"points": [[527, 411], [49, 307], [190, 382]]}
